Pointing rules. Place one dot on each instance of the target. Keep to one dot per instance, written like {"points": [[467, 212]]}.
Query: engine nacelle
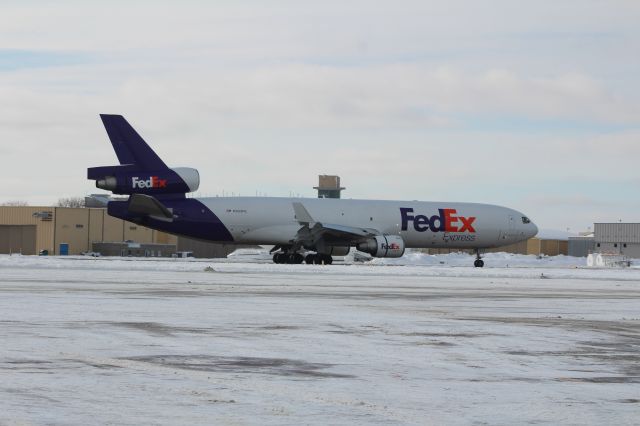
{"points": [[383, 246], [334, 250], [322, 247], [170, 181]]}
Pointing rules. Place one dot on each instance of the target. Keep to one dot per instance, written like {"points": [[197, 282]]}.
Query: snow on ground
{"points": [[492, 260], [182, 341]]}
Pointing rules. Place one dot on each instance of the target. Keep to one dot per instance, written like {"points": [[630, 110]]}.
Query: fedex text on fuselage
{"points": [[447, 220]]}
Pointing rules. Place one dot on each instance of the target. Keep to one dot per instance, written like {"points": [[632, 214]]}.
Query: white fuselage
{"points": [[268, 220]]}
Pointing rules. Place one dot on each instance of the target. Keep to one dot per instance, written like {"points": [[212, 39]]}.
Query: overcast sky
{"points": [[532, 105]]}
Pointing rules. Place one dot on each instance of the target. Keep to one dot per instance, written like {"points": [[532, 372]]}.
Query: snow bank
{"points": [[491, 260], [497, 265]]}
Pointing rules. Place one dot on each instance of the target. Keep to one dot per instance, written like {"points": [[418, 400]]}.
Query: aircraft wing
{"points": [[348, 231], [311, 231]]}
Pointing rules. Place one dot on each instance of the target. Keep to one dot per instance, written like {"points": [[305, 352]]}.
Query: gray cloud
{"points": [[389, 95]]}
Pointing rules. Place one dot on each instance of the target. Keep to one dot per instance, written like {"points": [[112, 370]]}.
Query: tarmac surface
{"points": [[126, 342]]}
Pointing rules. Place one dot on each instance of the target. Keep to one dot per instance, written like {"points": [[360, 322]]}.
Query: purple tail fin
{"points": [[141, 171], [129, 146]]}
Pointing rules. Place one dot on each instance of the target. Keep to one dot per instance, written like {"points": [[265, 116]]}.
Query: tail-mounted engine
{"points": [[383, 246], [131, 180]]}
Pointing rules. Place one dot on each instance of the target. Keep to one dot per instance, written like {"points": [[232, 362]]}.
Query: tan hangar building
{"points": [[28, 230]]}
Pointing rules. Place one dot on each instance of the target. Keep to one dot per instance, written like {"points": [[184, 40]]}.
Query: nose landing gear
{"points": [[479, 263]]}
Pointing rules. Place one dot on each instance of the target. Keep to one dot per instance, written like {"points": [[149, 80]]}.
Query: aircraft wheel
{"points": [[297, 258], [479, 263], [322, 259], [309, 259], [278, 258]]}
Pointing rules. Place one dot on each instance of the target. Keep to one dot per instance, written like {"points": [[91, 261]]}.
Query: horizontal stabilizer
{"points": [[95, 173], [148, 206]]}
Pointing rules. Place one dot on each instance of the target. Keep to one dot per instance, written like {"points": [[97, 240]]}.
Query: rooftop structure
{"points": [[328, 186]]}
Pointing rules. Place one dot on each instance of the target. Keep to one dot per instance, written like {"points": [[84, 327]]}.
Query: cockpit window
{"points": [[525, 219]]}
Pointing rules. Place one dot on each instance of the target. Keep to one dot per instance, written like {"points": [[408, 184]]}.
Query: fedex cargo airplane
{"points": [[301, 229]]}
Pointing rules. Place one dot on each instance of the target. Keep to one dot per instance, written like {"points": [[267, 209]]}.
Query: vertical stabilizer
{"points": [[129, 145]]}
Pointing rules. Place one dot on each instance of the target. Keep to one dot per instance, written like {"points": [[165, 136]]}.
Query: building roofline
{"points": [[616, 223]]}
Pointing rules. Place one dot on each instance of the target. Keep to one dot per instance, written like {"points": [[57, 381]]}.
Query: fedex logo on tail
{"points": [[447, 221], [152, 182]]}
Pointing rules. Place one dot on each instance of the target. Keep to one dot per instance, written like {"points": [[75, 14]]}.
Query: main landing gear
{"points": [[297, 258], [318, 259], [479, 263], [290, 258]]}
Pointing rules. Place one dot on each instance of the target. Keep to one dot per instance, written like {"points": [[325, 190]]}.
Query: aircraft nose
{"points": [[533, 230]]}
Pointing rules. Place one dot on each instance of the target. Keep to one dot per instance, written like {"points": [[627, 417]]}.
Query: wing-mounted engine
{"points": [[335, 239], [329, 249], [383, 246], [127, 180]]}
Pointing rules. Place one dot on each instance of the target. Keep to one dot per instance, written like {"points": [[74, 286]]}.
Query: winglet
{"points": [[302, 215]]}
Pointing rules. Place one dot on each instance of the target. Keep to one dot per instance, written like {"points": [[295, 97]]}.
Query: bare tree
{"points": [[16, 203], [71, 202]]}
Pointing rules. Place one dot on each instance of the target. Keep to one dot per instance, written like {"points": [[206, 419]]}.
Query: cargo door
{"points": [[18, 239]]}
